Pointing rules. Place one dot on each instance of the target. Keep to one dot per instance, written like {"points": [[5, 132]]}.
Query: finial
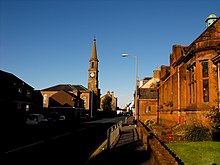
{"points": [[94, 38]]}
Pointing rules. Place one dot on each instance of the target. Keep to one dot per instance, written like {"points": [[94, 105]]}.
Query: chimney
{"points": [[113, 95], [157, 72]]}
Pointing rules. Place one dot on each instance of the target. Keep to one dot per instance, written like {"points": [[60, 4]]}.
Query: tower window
{"points": [[92, 64]]}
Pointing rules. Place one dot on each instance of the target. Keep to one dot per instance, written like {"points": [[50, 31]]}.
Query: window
{"points": [[45, 98], [192, 84], [20, 90], [206, 90], [205, 68], [92, 64], [18, 105], [27, 107], [84, 100], [205, 82], [147, 109], [28, 93]]}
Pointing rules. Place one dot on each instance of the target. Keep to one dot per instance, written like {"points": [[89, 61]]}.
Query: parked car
{"points": [[36, 119], [55, 117]]}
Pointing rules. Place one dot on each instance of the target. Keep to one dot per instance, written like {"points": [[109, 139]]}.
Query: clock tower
{"points": [[93, 82]]}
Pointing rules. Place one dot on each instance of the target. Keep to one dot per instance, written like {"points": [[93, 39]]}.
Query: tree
{"points": [[106, 103]]}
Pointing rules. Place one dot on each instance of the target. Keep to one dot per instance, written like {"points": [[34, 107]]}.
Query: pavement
{"points": [[127, 150]]}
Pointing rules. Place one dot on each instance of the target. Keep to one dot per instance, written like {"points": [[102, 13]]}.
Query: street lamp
{"points": [[136, 86]]}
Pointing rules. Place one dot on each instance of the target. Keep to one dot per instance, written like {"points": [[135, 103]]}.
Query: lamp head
{"points": [[124, 54]]}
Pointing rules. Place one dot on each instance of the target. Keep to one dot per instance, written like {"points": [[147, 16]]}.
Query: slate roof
{"points": [[11, 79], [66, 87]]}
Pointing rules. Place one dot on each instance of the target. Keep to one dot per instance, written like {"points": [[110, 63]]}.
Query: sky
{"points": [[49, 42]]}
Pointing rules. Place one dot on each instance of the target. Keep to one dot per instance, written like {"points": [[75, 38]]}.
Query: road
{"points": [[56, 144]]}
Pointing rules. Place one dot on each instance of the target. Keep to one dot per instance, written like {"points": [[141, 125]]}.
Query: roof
{"points": [[66, 87], [11, 78], [64, 92], [152, 83], [200, 36]]}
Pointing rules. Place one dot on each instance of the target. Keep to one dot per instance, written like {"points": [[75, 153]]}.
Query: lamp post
{"points": [[136, 86]]}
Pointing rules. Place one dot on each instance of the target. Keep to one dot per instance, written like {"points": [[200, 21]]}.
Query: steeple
{"points": [[93, 81], [94, 52]]}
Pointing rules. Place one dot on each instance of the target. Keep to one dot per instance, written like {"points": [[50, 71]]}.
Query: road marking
{"points": [[26, 146], [36, 143], [59, 136], [81, 129]]}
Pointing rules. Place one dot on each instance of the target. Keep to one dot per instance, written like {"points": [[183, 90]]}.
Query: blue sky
{"points": [[49, 42]]}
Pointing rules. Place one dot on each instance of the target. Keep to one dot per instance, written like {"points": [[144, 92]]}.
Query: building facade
{"points": [[75, 91], [147, 101], [189, 86], [17, 98], [65, 97]]}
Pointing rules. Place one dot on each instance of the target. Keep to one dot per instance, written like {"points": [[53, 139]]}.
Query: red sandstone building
{"points": [[148, 98], [79, 99], [189, 86]]}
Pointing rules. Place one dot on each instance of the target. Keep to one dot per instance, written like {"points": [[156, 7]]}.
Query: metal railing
{"points": [[113, 133]]}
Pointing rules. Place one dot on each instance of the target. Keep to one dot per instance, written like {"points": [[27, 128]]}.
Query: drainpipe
{"points": [[218, 81], [178, 94], [158, 105]]}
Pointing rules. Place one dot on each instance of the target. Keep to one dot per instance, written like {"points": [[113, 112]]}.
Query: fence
{"points": [[113, 133]]}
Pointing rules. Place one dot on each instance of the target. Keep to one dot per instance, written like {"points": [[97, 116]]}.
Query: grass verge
{"points": [[202, 153]]}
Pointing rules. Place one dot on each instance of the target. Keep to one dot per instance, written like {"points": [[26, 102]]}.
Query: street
{"points": [[56, 144]]}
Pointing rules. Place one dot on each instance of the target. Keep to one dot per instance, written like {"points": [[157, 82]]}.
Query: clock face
{"points": [[92, 74]]}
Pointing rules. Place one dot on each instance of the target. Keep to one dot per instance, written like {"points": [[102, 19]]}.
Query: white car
{"points": [[35, 119]]}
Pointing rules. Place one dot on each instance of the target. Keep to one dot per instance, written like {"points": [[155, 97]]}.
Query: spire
{"points": [[94, 52]]}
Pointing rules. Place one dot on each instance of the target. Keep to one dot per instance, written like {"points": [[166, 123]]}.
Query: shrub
{"points": [[198, 133], [214, 118]]}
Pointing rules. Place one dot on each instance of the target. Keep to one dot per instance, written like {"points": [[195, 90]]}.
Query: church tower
{"points": [[93, 81]]}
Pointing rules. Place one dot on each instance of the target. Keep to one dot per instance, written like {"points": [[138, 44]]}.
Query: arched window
{"points": [[45, 98]]}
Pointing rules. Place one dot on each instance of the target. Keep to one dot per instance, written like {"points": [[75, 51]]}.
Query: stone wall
{"points": [[159, 153]]}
